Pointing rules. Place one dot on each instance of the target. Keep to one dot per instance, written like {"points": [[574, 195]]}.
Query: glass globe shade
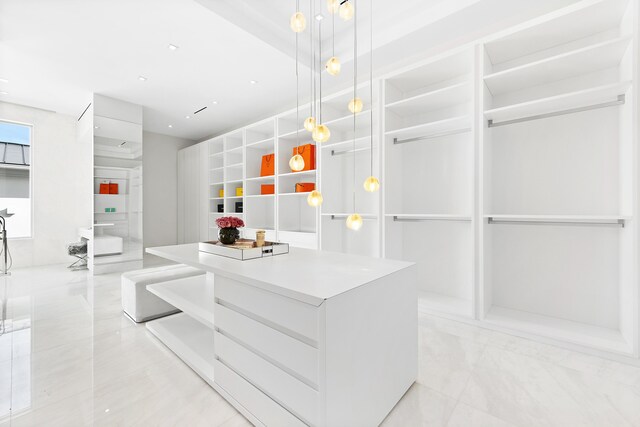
{"points": [[371, 184], [310, 124], [314, 198], [346, 11], [296, 163], [321, 133], [333, 66], [355, 105], [333, 5], [298, 22], [354, 222]]}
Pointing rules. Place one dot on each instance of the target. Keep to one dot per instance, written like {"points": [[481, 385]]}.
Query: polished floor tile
{"points": [[68, 357]]}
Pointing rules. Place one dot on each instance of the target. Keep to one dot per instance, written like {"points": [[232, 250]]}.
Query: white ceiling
{"points": [[56, 53]]}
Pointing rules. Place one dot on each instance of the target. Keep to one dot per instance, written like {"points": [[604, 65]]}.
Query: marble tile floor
{"points": [[68, 357]]}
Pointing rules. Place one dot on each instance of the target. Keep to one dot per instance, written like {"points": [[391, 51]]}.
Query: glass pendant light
{"points": [[298, 22], [321, 133], [333, 66], [314, 199], [296, 163], [310, 124], [333, 6], [356, 105], [354, 222], [371, 184], [346, 11]]}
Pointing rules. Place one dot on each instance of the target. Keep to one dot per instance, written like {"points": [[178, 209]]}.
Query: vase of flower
{"points": [[229, 233]]}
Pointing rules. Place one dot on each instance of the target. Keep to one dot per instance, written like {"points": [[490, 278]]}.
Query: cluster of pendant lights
{"points": [[320, 132]]}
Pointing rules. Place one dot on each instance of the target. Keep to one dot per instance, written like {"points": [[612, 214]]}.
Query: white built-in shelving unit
{"points": [[508, 174]]}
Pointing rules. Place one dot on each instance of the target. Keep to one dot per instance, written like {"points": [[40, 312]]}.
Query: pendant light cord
{"points": [[297, 88], [312, 102], [355, 86], [371, 81], [320, 70]]}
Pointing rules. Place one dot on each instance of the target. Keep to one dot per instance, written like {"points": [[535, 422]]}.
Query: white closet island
{"points": [[307, 338]]}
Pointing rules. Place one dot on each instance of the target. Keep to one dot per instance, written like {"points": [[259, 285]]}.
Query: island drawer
{"points": [[253, 400], [290, 316], [290, 354], [297, 397]]}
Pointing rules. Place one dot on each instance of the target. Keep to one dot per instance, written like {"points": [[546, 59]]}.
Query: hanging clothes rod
{"points": [[364, 217], [436, 135], [398, 218], [619, 101], [615, 222], [339, 153]]}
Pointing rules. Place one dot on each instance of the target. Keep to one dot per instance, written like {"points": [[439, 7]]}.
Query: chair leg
{"points": [[80, 263]]}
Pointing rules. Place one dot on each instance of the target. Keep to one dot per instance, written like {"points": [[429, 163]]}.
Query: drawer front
{"points": [[253, 400], [299, 240], [292, 317], [297, 397], [290, 354]]}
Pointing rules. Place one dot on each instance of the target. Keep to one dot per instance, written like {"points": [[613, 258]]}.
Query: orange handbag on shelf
{"points": [[113, 188], [305, 187], [104, 188], [267, 189], [308, 153], [267, 168]]}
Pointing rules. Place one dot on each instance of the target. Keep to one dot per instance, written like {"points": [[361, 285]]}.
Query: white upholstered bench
{"points": [[140, 304]]}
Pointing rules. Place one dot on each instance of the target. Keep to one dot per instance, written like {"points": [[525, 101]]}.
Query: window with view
{"points": [[15, 177]]}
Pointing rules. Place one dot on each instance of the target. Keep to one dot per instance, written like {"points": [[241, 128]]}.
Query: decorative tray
{"points": [[244, 249]]}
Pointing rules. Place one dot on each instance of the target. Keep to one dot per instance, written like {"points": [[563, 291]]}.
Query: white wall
{"points": [[160, 188], [60, 190]]}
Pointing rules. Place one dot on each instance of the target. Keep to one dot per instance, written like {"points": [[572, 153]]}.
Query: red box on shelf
{"points": [[305, 187], [104, 188], [113, 188], [267, 189]]}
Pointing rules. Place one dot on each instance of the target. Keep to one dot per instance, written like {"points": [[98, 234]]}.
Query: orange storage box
{"points": [[305, 187], [104, 188], [267, 167], [267, 189], [113, 188], [308, 153]]}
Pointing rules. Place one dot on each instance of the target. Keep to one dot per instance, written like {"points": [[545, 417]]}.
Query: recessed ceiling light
{"points": [[142, 78], [254, 82], [319, 17], [170, 126], [187, 117], [4, 80], [3, 92], [215, 102], [172, 47], [96, 127]]}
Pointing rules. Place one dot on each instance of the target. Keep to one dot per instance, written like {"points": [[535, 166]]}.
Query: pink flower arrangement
{"points": [[229, 222]]}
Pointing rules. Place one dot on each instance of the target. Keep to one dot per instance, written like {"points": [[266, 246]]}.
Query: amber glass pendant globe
{"points": [[333, 5], [354, 222], [321, 133], [296, 163], [333, 66], [298, 22], [371, 184], [314, 199], [355, 105], [346, 11], [310, 124]]}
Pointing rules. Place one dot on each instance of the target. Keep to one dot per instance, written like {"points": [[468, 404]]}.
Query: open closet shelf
{"points": [[257, 196], [263, 144], [346, 142], [578, 100], [301, 173], [454, 124], [599, 56], [192, 295], [261, 178], [559, 329], [449, 96]]}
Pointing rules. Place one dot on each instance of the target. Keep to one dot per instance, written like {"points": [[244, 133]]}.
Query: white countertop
{"points": [[306, 275]]}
